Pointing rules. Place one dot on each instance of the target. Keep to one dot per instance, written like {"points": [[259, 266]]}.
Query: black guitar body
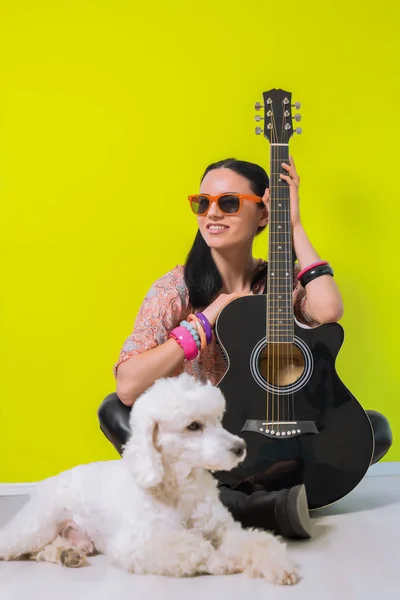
{"points": [[311, 430]]}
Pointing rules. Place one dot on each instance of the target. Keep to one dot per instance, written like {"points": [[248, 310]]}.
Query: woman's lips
{"points": [[217, 229]]}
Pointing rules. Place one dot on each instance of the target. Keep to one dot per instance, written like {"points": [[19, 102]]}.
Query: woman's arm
{"points": [[148, 354], [139, 372], [324, 301]]}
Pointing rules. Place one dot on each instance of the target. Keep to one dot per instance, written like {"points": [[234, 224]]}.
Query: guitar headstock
{"points": [[278, 126]]}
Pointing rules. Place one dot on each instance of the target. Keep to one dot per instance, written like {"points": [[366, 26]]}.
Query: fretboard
{"points": [[280, 263]]}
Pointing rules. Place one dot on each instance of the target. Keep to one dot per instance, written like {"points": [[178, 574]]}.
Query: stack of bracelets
{"points": [[193, 335], [313, 271]]}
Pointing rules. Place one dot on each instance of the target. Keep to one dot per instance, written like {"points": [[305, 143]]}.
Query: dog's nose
{"points": [[239, 448]]}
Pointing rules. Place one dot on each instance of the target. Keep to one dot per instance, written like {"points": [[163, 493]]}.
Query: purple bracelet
{"points": [[206, 326]]}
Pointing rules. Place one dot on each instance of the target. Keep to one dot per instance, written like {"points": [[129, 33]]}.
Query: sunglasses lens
{"points": [[229, 204], [200, 204]]}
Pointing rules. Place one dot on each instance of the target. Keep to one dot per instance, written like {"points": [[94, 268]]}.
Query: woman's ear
{"points": [[264, 217]]}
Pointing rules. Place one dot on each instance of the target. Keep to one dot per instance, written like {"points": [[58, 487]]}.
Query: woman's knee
{"points": [[114, 420], [382, 434]]}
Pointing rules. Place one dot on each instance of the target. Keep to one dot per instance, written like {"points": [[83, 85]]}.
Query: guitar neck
{"points": [[280, 262]]}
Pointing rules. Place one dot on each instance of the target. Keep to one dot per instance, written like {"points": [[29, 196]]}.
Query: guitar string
{"points": [[289, 296], [284, 363], [282, 353], [276, 267], [271, 286], [287, 365], [275, 283], [282, 203], [278, 222], [290, 299], [279, 360], [288, 257], [288, 283], [292, 345]]}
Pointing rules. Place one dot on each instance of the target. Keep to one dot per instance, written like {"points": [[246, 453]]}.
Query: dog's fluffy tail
{"points": [[34, 526]]}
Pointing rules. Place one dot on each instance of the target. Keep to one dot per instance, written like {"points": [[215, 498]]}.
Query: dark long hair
{"points": [[202, 277]]}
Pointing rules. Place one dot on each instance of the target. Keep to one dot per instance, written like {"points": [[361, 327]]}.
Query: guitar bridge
{"points": [[280, 429]]}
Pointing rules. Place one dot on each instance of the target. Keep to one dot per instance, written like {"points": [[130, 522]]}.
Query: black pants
{"points": [[244, 504]]}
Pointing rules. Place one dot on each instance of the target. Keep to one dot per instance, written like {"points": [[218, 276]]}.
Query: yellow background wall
{"points": [[109, 113]]}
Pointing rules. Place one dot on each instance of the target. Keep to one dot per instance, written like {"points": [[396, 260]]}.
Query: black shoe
{"points": [[291, 513], [285, 511]]}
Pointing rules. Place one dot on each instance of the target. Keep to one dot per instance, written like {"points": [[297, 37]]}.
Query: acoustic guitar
{"points": [[284, 397]]}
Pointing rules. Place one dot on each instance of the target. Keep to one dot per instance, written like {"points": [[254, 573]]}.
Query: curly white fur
{"points": [[156, 510]]}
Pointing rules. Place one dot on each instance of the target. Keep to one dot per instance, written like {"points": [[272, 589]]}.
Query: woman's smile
{"points": [[217, 228]]}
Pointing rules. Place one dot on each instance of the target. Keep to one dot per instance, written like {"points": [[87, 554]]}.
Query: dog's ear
{"points": [[144, 459]]}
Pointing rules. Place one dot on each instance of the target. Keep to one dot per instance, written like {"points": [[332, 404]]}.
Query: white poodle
{"points": [[157, 509]]}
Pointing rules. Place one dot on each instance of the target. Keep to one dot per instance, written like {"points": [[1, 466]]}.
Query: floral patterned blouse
{"points": [[167, 304]]}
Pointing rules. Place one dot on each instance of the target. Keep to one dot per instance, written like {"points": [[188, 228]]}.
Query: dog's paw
{"points": [[275, 566], [67, 557], [280, 574], [73, 558], [283, 576]]}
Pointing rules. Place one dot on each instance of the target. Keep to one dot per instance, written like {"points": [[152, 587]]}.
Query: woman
{"points": [[219, 268]]}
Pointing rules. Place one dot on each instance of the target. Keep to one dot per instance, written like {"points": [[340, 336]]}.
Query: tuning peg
{"points": [[259, 118], [258, 130], [297, 117], [296, 105], [298, 130], [258, 106]]}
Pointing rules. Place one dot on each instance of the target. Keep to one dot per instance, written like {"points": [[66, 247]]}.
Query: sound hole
{"points": [[281, 364]]}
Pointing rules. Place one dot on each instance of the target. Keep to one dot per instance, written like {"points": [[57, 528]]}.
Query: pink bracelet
{"points": [[186, 341], [309, 267]]}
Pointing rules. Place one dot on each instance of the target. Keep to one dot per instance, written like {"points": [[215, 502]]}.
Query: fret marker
{"points": [[279, 247], [287, 274], [272, 274], [279, 227], [279, 205], [279, 297]]}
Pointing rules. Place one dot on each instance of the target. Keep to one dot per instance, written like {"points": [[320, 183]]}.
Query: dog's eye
{"points": [[195, 426]]}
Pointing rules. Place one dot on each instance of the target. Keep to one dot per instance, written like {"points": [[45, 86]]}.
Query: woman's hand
{"points": [[293, 180], [212, 311]]}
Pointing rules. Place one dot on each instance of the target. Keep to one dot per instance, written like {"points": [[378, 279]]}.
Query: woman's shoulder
{"points": [[170, 284], [174, 277]]}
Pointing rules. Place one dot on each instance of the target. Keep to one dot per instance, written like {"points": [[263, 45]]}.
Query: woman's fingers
{"points": [[291, 169], [288, 179]]}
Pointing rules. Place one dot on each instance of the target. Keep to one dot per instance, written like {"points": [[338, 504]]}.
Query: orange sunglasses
{"points": [[229, 204]]}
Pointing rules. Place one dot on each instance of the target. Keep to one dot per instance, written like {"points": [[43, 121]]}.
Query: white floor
{"points": [[354, 554]]}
